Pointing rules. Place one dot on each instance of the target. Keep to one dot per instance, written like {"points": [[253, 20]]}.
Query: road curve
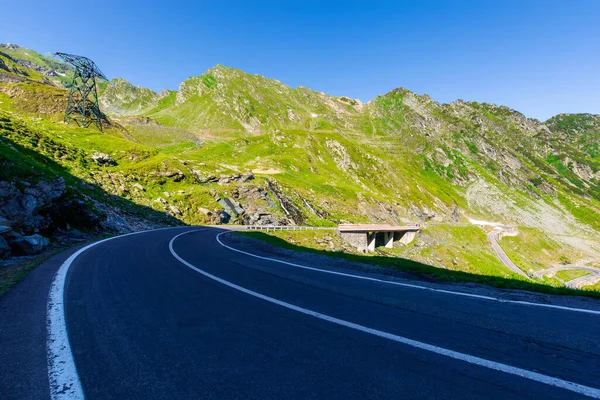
{"points": [[583, 281], [589, 279], [153, 315], [492, 238]]}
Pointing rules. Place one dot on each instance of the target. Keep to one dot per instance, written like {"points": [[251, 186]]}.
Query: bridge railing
{"points": [[286, 228]]}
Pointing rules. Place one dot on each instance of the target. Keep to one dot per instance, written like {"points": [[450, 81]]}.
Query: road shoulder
{"points": [[23, 332]]}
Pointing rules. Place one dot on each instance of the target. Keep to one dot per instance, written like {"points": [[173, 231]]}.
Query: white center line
{"points": [[409, 285], [534, 376]]}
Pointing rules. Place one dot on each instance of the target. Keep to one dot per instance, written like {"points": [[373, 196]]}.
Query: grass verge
{"points": [[12, 274]]}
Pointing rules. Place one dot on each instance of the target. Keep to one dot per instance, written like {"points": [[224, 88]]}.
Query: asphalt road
{"points": [[589, 279], [492, 236], [143, 325]]}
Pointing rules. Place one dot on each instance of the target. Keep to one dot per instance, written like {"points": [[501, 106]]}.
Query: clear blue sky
{"points": [[539, 57]]}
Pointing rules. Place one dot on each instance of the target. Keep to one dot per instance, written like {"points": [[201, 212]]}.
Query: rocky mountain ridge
{"points": [[320, 160]]}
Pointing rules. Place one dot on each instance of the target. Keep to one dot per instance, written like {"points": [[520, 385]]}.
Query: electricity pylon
{"points": [[83, 106]]}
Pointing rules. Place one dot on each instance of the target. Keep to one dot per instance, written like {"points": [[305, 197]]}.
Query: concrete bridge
{"points": [[366, 237]]}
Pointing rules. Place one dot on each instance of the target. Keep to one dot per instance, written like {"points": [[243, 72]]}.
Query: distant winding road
{"points": [[185, 313], [492, 238], [589, 279]]}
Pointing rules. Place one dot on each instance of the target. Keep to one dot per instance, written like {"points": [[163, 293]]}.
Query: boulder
{"points": [[205, 211], [32, 244], [176, 175], [231, 207], [103, 159], [174, 209], [199, 177], [223, 217], [29, 203]]}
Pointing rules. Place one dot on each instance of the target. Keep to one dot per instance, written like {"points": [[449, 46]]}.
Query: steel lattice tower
{"points": [[83, 106]]}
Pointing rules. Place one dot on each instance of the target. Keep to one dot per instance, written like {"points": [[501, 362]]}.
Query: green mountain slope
{"points": [[226, 99], [19, 62], [321, 160]]}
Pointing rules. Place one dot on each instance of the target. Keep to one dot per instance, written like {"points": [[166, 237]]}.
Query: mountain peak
{"points": [[10, 46]]}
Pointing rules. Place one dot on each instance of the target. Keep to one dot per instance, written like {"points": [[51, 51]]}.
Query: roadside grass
{"points": [[423, 271], [534, 250], [462, 247], [12, 274]]}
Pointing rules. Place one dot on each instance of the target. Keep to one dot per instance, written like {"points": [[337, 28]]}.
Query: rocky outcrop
{"points": [[200, 177], [103, 159], [30, 245], [264, 219], [340, 155], [22, 208], [26, 210], [287, 205], [174, 174]]}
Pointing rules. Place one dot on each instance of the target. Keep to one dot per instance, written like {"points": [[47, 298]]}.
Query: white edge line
{"points": [[534, 376], [477, 296], [62, 372]]}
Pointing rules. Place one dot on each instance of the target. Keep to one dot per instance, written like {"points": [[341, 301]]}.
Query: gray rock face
{"points": [[32, 244], [264, 219], [232, 207], [21, 208]]}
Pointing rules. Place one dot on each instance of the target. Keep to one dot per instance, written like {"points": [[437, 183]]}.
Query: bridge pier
{"points": [[365, 237], [371, 241], [388, 239]]}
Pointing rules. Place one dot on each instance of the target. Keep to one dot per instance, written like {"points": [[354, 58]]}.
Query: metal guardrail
{"points": [[285, 228]]}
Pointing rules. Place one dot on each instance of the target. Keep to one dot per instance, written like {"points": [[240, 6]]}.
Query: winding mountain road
{"points": [[189, 313], [493, 237], [589, 279]]}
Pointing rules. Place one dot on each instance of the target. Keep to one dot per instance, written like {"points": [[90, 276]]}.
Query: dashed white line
{"points": [[409, 285], [534, 376]]}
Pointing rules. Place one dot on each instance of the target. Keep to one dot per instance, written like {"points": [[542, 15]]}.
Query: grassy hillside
{"points": [[321, 160]]}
